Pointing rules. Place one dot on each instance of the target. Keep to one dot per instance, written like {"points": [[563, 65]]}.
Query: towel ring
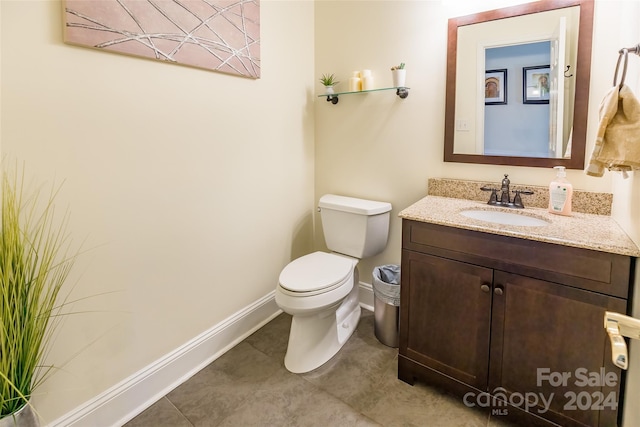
{"points": [[625, 53]]}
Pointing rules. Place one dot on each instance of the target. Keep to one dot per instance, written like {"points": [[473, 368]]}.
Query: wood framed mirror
{"points": [[479, 130]]}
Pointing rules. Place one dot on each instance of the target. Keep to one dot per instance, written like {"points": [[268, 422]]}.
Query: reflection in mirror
{"points": [[520, 125], [510, 99]]}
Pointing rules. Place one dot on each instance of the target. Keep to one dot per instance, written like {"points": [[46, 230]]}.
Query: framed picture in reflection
{"points": [[495, 87], [535, 84]]}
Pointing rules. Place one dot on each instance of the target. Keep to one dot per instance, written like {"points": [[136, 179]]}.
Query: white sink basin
{"points": [[505, 218]]}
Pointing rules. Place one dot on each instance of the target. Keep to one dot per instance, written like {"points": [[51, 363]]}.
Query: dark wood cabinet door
{"points": [[445, 312], [549, 341]]}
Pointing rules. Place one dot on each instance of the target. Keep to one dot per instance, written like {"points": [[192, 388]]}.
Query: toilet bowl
{"points": [[320, 290]]}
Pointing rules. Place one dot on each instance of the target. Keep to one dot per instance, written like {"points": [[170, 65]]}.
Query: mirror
{"points": [[499, 66]]}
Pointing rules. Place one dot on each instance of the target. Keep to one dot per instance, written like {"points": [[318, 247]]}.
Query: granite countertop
{"points": [[581, 230]]}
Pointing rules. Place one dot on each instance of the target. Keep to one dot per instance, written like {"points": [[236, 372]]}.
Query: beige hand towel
{"points": [[618, 140]]}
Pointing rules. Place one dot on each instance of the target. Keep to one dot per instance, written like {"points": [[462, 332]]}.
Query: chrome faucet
{"points": [[505, 195]]}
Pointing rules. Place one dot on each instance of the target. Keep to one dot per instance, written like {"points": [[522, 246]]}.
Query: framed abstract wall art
{"points": [[217, 35]]}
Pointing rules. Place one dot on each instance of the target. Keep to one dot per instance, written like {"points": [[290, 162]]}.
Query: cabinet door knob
{"points": [[485, 288], [498, 291]]}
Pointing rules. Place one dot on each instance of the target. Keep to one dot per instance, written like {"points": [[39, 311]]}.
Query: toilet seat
{"points": [[314, 274]]}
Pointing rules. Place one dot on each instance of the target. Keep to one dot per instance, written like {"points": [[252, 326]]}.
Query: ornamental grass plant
{"points": [[35, 261]]}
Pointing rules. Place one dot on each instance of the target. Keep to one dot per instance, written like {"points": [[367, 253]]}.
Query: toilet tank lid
{"points": [[353, 205]]}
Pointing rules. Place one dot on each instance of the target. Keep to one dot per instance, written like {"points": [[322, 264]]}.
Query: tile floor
{"points": [[249, 386]]}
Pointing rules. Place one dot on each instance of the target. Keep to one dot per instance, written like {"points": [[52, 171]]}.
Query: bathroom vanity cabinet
{"points": [[510, 324]]}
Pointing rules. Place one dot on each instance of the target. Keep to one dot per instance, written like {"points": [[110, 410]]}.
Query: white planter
{"points": [[399, 77], [24, 417], [329, 90]]}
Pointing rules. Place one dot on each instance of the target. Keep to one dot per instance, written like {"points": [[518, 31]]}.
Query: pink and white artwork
{"points": [[219, 35]]}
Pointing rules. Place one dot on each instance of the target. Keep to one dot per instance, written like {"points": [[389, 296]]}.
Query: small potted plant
{"points": [[329, 81], [399, 74]]}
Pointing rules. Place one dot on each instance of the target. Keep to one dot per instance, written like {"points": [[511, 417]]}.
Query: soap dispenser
{"points": [[560, 193]]}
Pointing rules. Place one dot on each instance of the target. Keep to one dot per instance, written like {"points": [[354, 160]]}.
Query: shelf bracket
{"points": [[332, 99], [402, 92]]}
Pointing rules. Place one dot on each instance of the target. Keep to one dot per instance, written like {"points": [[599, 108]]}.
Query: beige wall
{"points": [[192, 188], [377, 145]]}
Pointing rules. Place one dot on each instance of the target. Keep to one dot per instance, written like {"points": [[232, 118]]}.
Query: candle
{"points": [[367, 80], [355, 84]]}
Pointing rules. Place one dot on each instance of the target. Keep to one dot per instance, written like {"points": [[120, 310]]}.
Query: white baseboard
{"points": [[366, 296], [130, 397]]}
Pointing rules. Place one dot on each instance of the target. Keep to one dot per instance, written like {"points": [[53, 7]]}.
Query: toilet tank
{"points": [[355, 227]]}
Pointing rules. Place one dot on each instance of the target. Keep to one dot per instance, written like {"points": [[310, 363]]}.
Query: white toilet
{"points": [[320, 290]]}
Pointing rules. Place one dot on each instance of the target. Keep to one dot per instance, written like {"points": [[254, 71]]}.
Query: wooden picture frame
{"points": [[495, 87]]}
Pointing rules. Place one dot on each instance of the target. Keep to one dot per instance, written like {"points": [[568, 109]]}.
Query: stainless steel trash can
{"points": [[386, 322], [386, 304]]}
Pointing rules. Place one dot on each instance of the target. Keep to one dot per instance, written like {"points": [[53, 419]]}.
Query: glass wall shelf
{"points": [[402, 92]]}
